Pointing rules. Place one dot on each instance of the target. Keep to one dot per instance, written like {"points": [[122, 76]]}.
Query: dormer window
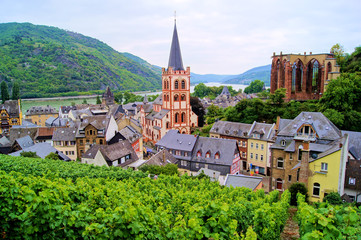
{"points": [[306, 130], [199, 154], [283, 143], [208, 154], [216, 156]]}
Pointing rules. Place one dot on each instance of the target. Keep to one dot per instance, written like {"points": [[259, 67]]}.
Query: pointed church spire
{"points": [[145, 99], [175, 57]]}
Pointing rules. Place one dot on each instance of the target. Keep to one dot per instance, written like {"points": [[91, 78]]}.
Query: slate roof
{"points": [[56, 122], [130, 133], [175, 57], [162, 158], [283, 123], [174, 140], [161, 114], [158, 100], [25, 142], [225, 147], [354, 144], [36, 110], [25, 124], [113, 152], [148, 107], [151, 115], [4, 142], [231, 128], [100, 122], [265, 130], [67, 109], [225, 91], [42, 150], [324, 128], [250, 182], [79, 112], [11, 107], [64, 134], [16, 133]]}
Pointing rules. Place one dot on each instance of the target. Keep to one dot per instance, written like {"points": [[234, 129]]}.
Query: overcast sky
{"points": [[216, 36]]}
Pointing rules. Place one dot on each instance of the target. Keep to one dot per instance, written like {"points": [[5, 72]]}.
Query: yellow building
{"points": [[64, 141], [327, 172], [39, 114], [258, 151], [10, 115]]}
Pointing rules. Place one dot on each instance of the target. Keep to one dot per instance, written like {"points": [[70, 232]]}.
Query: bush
{"points": [[169, 169], [298, 188], [333, 198], [29, 154]]}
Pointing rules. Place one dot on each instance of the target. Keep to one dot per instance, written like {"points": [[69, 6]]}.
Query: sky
{"points": [[216, 36]]}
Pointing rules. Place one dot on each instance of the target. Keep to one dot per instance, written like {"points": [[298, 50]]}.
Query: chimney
{"points": [[304, 168]]}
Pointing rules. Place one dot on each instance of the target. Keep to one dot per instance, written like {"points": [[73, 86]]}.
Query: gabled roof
{"points": [[64, 134], [231, 128], [161, 114], [130, 133], [175, 57], [100, 122], [67, 109], [25, 142], [324, 128], [226, 148], [242, 181], [174, 140], [4, 142], [161, 158], [11, 107], [44, 133], [42, 150], [113, 152], [158, 100], [225, 91], [354, 144], [265, 130], [22, 132]]}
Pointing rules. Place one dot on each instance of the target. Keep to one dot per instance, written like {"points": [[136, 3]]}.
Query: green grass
{"points": [[25, 105]]}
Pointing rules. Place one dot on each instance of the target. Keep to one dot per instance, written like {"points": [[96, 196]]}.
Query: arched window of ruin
{"points": [[294, 70], [176, 84], [183, 97], [183, 84], [176, 97], [315, 76]]}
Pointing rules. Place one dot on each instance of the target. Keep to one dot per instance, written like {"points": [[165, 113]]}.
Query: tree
{"points": [[339, 53], [352, 63], [256, 86], [85, 101], [198, 109], [98, 101], [118, 97], [201, 90], [53, 156], [277, 97], [4, 91], [333, 198], [15, 91], [298, 188], [29, 154]]}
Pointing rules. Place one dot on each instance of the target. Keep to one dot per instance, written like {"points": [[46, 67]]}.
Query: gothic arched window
{"points": [[176, 97], [176, 117], [176, 84], [183, 97], [183, 84], [183, 117]]}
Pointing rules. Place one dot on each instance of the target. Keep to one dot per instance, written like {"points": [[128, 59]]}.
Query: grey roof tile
{"points": [[175, 57], [64, 134], [250, 182], [174, 140], [42, 150]]}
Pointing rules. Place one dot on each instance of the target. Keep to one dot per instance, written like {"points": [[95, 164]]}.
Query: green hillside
{"points": [[48, 60]]}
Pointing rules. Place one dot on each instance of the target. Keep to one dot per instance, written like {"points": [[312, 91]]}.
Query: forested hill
{"points": [[47, 60]]}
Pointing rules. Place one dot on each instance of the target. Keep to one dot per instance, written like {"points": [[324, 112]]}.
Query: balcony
{"points": [[310, 137]]}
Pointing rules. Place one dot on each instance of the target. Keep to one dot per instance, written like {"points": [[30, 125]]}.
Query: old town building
{"points": [[65, 142], [39, 114], [11, 115], [305, 76], [172, 109], [309, 149]]}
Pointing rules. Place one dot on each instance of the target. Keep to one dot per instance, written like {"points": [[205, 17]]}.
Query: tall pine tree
{"points": [[4, 91], [15, 91]]}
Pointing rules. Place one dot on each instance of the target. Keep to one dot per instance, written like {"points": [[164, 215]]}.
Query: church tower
{"points": [[176, 90]]}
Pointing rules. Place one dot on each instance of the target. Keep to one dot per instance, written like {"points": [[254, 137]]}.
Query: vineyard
{"points": [[63, 204], [326, 221]]}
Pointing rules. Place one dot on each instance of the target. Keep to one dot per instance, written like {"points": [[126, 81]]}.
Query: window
{"points": [[316, 189], [256, 145], [289, 178], [283, 143], [279, 184], [197, 165], [324, 167], [256, 156], [352, 181], [176, 98], [176, 84], [244, 143], [251, 155], [199, 154], [183, 84], [279, 162], [183, 117], [261, 157], [183, 163], [208, 154], [291, 156], [216, 156], [243, 154], [176, 117], [299, 154], [251, 145], [81, 142], [91, 132], [183, 97], [101, 141], [262, 147]]}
